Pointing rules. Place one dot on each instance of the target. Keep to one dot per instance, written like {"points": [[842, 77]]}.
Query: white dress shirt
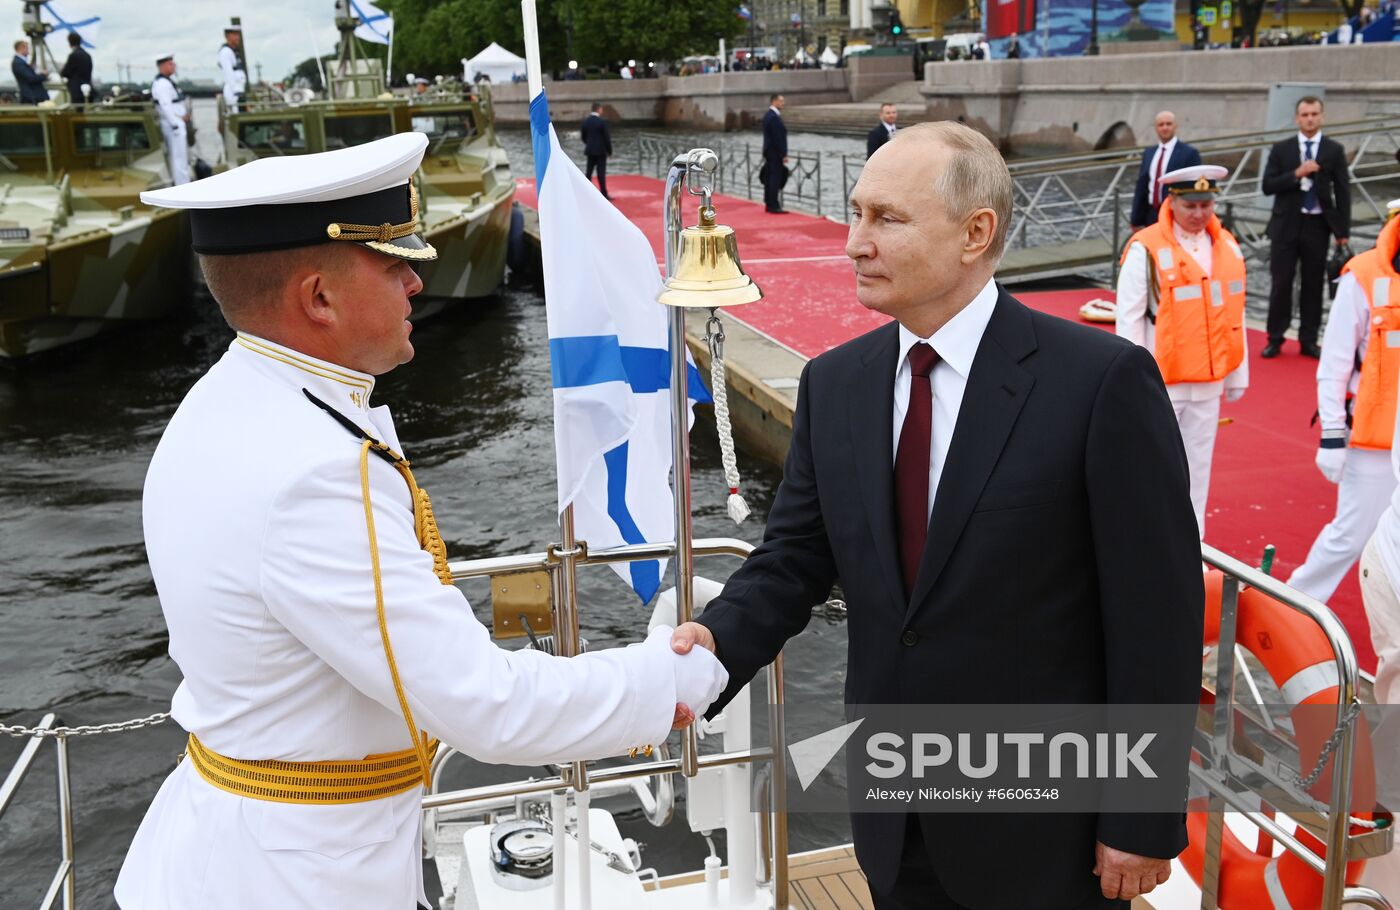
{"points": [[1306, 183], [1343, 344], [956, 344], [1163, 159], [1132, 322]]}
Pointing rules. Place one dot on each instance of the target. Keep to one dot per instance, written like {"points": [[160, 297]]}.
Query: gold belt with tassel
{"points": [[375, 776]]}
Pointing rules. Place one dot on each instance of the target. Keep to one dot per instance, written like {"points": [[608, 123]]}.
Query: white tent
{"points": [[496, 63], [828, 57]]}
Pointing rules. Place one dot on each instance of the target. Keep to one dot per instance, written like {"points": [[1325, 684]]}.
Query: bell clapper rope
{"points": [[714, 337]]}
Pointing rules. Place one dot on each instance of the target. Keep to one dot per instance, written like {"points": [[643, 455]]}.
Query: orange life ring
{"points": [[1299, 659]]}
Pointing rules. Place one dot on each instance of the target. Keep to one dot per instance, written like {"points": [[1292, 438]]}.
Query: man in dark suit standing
{"points": [[883, 131], [1307, 176], [1003, 496], [1169, 154], [775, 156], [30, 81], [77, 70], [597, 146]]}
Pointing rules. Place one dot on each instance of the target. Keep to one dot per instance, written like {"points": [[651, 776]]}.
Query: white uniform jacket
{"points": [[255, 531], [170, 105], [235, 79], [1133, 324], [1343, 347]]}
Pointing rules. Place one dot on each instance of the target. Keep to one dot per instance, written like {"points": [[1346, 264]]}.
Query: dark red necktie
{"points": [[911, 462]]}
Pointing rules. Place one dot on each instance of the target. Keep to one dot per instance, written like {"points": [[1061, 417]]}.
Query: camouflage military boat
{"points": [[78, 251], [465, 186]]}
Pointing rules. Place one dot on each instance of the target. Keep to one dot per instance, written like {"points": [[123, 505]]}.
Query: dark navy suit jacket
{"points": [[1144, 212], [1062, 566], [774, 137], [596, 135], [31, 84]]}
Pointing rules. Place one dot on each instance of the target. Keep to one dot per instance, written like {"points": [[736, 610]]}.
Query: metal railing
{"points": [[552, 561], [1233, 777], [63, 881], [740, 164]]}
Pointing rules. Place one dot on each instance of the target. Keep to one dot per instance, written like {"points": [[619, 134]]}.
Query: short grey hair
{"points": [[976, 176]]}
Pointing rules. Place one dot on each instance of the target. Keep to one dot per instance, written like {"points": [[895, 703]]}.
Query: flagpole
{"points": [[389, 64], [566, 637]]}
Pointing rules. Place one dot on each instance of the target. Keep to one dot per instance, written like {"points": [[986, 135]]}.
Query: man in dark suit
{"points": [[775, 156], [1307, 176], [1169, 154], [597, 146], [77, 70], [1003, 496], [883, 131], [30, 81]]}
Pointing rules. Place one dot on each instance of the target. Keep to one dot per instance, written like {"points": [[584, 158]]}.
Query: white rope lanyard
{"points": [[714, 337]]}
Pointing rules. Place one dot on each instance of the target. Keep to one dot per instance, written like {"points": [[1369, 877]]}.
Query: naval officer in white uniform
{"points": [[303, 582], [174, 115], [231, 66]]}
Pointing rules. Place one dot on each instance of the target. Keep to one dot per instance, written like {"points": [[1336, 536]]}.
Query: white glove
{"points": [[699, 675], [1330, 462], [1233, 395]]}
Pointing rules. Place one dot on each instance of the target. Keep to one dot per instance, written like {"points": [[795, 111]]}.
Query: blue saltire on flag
{"points": [[85, 27], [376, 26], [609, 362]]}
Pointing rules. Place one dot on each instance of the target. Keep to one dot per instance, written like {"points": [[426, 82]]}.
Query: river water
{"points": [[83, 634]]}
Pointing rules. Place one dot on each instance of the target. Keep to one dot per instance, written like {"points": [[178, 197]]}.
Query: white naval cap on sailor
{"points": [[164, 57], [1195, 182], [1392, 208], [362, 194]]}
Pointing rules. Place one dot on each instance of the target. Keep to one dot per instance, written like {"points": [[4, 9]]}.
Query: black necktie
{"points": [[1310, 194]]}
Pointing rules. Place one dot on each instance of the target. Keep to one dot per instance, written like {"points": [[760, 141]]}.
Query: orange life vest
{"points": [[1200, 320], [1373, 413]]}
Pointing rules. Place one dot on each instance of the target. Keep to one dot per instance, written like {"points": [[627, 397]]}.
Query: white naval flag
{"points": [[62, 20], [376, 26], [609, 359]]}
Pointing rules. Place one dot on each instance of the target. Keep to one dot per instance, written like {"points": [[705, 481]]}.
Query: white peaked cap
{"points": [[363, 194]]}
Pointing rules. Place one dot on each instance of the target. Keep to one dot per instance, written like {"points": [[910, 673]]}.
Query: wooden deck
{"points": [[825, 880]]}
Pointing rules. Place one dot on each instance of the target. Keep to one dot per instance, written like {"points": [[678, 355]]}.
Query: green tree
{"points": [[308, 71], [607, 31], [432, 36]]}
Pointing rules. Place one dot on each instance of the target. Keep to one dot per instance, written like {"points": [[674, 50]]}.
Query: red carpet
{"points": [[1264, 486]]}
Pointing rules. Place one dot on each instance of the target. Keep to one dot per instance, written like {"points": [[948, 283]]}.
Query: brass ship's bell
{"points": [[708, 273]]}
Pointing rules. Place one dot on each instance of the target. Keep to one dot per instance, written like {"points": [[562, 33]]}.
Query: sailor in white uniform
{"points": [[174, 116], [1362, 474], [231, 65], [304, 583]]}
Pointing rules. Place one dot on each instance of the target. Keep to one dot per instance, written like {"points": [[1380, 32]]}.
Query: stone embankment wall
{"points": [[1080, 103], [716, 101]]}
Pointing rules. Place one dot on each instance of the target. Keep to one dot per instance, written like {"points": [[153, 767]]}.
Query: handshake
{"points": [[699, 676]]}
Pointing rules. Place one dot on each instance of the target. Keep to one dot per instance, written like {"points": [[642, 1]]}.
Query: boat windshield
{"points": [[445, 128], [273, 135], [25, 137], [111, 137], [344, 130]]}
